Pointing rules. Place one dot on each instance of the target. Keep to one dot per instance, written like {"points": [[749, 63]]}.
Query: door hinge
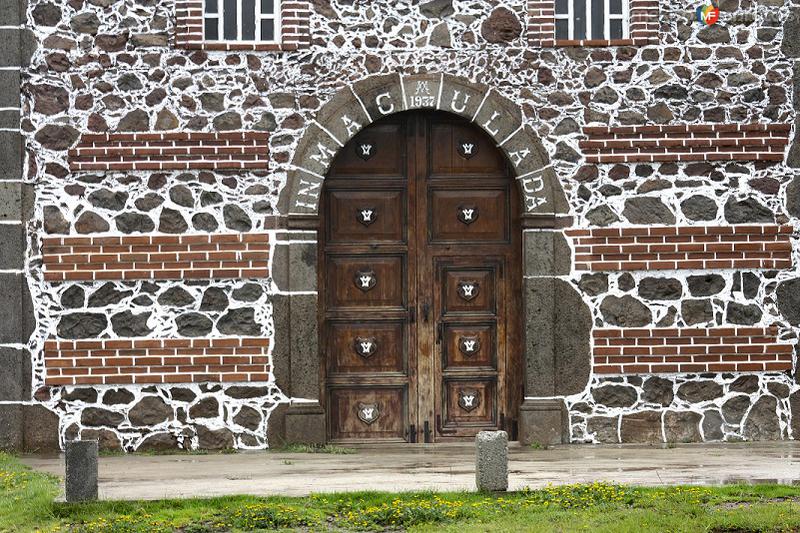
{"points": [[412, 315], [439, 328], [412, 433], [426, 430]]}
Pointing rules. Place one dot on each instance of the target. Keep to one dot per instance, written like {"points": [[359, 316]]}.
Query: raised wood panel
{"points": [[469, 346], [366, 216], [367, 347], [469, 290], [484, 160], [365, 281], [388, 151], [469, 216], [469, 403], [367, 412]]}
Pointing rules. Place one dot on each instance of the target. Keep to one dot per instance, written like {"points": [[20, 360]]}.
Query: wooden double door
{"points": [[420, 284]]}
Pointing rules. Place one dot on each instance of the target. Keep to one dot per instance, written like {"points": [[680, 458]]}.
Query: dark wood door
{"points": [[420, 284]]}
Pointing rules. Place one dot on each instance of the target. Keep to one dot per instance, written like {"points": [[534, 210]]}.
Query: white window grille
{"points": [[246, 21], [591, 19]]}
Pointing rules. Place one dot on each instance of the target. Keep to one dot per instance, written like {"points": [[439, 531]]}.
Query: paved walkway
{"points": [[437, 467]]}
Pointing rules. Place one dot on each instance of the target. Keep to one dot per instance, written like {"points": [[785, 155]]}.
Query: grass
{"points": [[26, 505], [314, 448]]}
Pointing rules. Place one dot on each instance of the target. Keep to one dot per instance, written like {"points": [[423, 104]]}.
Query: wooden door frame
{"points": [[557, 322]]}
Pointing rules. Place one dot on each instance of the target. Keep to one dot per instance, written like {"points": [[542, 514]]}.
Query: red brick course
{"points": [[687, 142], [643, 26], [295, 29], [232, 150], [680, 248], [214, 256], [137, 361], [682, 350]]}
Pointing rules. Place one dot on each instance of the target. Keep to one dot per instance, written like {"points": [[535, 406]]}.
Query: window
{"points": [[591, 19], [255, 21]]}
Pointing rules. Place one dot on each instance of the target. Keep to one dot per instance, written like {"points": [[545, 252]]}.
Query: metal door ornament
{"points": [[368, 412], [467, 149], [468, 290], [365, 280], [467, 214], [469, 346], [365, 150], [469, 399], [365, 346], [366, 215]]}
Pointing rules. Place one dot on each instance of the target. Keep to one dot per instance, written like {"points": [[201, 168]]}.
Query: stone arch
{"points": [[370, 99], [557, 357]]}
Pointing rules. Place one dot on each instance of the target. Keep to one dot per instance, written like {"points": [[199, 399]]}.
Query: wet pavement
{"points": [[436, 467]]}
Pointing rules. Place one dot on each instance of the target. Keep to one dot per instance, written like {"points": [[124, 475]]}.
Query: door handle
{"points": [[426, 310]]}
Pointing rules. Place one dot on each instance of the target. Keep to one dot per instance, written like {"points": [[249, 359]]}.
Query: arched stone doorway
{"points": [[420, 284], [556, 322]]}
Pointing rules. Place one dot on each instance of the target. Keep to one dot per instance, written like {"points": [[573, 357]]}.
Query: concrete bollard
{"points": [[491, 461], [80, 462]]}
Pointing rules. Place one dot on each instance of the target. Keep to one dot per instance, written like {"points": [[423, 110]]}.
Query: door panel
{"points": [[459, 216], [366, 281], [420, 284], [367, 347], [368, 412], [363, 216]]}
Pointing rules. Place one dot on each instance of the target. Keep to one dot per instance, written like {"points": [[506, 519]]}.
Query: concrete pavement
{"points": [[443, 467]]}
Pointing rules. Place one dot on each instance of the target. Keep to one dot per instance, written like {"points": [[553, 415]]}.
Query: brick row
{"points": [[135, 361], [171, 151], [679, 248], [211, 256], [687, 142], [681, 350]]}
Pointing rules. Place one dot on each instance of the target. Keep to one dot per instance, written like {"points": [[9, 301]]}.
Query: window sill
{"points": [[240, 47], [599, 42]]}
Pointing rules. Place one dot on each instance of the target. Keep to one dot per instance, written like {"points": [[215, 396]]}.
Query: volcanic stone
{"points": [[615, 395], [149, 411], [81, 325], [705, 284], [682, 426], [625, 311], [762, 421], [660, 289], [194, 325], [699, 391], [657, 390]]}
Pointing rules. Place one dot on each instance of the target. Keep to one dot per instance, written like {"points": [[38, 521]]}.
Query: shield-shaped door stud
{"points": [[468, 290], [368, 412], [466, 148], [365, 150], [469, 346], [365, 280], [366, 215], [469, 399], [365, 346], [467, 214]]}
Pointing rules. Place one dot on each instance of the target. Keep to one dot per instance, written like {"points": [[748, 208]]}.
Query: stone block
{"points": [[525, 151], [343, 116], [642, 427], [422, 91], [499, 117], [14, 380], [304, 344], [543, 421], [80, 461], [546, 253], [491, 461], [12, 243], [9, 118], [10, 47], [10, 200], [10, 155], [41, 429], [294, 266], [305, 424], [461, 97], [381, 95], [12, 12], [316, 151], [9, 88], [281, 351], [300, 196], [11, 427], [12, 323]]}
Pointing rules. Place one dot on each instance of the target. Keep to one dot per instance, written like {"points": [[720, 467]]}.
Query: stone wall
{"points": [[109, 66]]}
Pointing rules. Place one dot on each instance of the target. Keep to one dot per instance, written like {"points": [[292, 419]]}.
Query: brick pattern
{"points": [[680, 248], [687, 142], [237, 150], [643, 26], [215, 256], [138, 361], [670, 350], [295, 29]]}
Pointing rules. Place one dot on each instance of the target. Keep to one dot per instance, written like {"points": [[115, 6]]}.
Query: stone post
{"points": [[80, 464], [491, 461]]}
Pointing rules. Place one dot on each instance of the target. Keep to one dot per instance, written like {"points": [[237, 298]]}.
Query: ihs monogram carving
{"points": [[468, 290], [365, 150], [368, 412], [467, 214], [469, 399], [469, 346], [365, 280], [365, 346], [467, 149], [366, 215]]}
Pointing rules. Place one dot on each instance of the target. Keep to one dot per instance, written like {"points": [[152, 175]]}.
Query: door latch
{"points": [[426, 310]]}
